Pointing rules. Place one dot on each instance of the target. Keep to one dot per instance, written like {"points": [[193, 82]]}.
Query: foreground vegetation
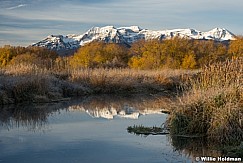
{"points": [[30, 83], [213, 104]]}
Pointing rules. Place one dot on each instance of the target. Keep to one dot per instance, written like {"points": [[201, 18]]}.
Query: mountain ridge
{"points": [[128, 35]]}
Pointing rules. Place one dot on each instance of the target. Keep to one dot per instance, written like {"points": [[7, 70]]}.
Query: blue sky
{"points": [[23, 22]]}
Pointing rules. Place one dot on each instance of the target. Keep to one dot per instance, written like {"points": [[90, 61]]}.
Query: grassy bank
{"points": [[212, 105], [30, 83]]}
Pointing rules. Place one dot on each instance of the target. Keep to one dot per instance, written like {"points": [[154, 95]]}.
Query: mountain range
{"points": [[128, 35]]}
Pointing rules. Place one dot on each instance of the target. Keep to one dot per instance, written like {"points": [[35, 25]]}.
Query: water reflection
{"points": [[75, 135], [194, 147], [37, 117], [132, 107], [32, 117]]}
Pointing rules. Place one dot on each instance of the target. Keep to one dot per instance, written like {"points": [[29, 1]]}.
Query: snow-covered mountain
{"points": [[128, 35]]}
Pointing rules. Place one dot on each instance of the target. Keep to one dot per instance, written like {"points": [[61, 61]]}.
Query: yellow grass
{"points": [[29, 82], [128, 79], [213, 104]]}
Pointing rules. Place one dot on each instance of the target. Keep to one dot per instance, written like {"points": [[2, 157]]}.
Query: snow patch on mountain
{"points": [[219, 34], [107, 34], [128, 35]]}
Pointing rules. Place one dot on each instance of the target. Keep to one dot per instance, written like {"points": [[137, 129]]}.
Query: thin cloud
{"points": [[15, 7]]}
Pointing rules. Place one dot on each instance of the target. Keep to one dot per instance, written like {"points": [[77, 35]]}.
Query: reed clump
{"points": [[212, 104]]}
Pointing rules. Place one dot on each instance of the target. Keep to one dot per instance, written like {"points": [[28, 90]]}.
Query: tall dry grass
{"points": [[23, 83], [213, 104], [24, 69], [30, 82], [129, 80]]}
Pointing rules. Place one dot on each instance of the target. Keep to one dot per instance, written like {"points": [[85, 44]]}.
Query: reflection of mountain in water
{"points": [[35, 117], [124, 107], [111, 112], [108, 112]]}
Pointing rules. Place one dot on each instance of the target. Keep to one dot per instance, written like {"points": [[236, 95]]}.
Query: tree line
{"points": [[29, 55], [173, 53]]}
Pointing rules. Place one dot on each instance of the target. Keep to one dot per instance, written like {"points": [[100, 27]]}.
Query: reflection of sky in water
{"points": [[24, 21], [76, 137]]}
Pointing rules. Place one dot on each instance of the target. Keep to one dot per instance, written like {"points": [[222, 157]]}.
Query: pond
{"points": [[91, 129]]}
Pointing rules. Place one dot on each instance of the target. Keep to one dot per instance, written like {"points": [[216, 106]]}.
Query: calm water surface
{"points": [[89, 130]]}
